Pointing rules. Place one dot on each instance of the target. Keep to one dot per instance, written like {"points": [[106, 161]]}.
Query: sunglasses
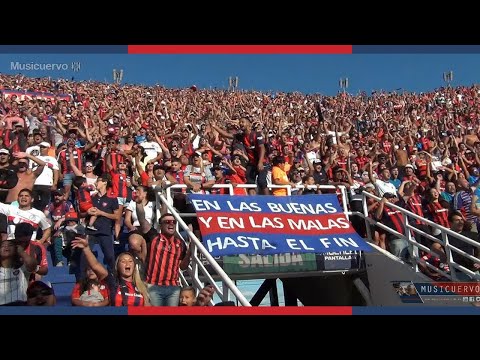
{"points": [[169, 222], [37, 292]]}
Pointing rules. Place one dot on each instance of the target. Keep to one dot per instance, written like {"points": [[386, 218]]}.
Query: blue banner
{"points": [[267, 225]]}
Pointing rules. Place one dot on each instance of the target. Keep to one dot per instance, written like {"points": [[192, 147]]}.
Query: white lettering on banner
{"points": [[342, 242], [345, 242], [302, 209], [275, 223], [244, 206], [292, 243], [230, 223], [246, 242], [325, 242], [233, 223], [206, 222], [305, 245], [340, 223], [205, 205], [246, 261], [239, 242]]}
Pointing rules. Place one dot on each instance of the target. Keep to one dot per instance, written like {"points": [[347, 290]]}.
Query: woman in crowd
{"points": [[125, 285]]}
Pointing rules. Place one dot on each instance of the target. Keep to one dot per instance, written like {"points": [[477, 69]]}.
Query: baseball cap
{"points": [[44, 144], [317, 161], [369, 186], [197, 153], [409, 166], [4, 151], [71, 216], [59, 192]]}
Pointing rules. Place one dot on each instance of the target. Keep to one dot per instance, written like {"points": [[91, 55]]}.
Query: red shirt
{"points": [[164, 260], [77, 291], [119, 185]]}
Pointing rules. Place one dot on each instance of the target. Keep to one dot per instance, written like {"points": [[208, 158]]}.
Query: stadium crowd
{"points": [[79, 160]]}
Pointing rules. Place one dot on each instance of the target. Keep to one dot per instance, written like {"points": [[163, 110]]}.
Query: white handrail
{"points": [[230, 284], [444, 242]]}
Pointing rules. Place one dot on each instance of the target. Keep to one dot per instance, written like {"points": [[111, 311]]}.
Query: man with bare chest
{"points": [[26, 177]]}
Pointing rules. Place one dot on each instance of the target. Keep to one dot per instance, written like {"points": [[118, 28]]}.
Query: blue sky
{"points": [[304, 73]]}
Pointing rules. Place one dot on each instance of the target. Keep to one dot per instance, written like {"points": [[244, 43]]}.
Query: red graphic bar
{"points": [[273, 223], [240, 310], [239, 49]]}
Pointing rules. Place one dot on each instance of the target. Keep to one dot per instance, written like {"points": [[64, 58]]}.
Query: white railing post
{"points": [[410, 240], [448, 253], [365, 213], [344, 201]]}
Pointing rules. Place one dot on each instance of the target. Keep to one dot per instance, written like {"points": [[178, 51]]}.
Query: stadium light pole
{"points": [[117, 76], [448, 77], [232, 83], [343, 84]]}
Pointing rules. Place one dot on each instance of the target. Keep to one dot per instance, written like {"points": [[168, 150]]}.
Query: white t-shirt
{"points": [[46, 177], [16, 216], [312, 156], [196, 142], [13, 285], [385, 187], [152, 149], [149, 212]]}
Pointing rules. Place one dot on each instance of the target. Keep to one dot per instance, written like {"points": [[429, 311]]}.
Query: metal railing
{"points": [[410, 239], [197, 266]]}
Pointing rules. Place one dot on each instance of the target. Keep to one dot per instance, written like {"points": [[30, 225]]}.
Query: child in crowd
{"points": [[92, 294], [187, 296], [84, 198]]}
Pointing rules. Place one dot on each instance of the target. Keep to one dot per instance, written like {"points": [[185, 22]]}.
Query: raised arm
{"points": [[144, 224], [98, 269], [222, 132]]}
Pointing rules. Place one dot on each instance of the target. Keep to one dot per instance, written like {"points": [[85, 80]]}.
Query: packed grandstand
{"points": [[79, 161]]}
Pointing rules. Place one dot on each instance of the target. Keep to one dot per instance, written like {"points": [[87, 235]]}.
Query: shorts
{"points": [[121, 201], [68, 179], [84, 206], [256, 177]]}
